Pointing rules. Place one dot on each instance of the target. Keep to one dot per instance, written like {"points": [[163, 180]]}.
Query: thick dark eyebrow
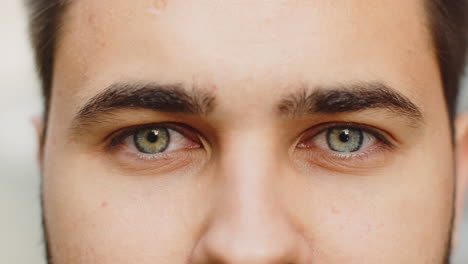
{"points": [[349, 98], [174, 98]]}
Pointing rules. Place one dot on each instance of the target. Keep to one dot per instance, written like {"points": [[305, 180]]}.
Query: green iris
{"points": [[345, 139], [152, 140]]}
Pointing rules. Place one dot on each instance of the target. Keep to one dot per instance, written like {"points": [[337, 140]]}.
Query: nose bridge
{"points": [[253, 154], [248, 224], [248, 203], [249, 170]]}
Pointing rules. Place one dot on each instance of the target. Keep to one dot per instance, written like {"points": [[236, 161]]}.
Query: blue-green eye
{"points": [[345, 139], [152, 140]]}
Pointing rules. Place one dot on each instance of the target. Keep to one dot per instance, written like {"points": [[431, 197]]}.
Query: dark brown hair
{"points": [[447, 21]]}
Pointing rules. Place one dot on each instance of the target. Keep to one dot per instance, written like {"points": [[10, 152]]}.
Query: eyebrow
{"points": [[174, 98], [349, 98]]}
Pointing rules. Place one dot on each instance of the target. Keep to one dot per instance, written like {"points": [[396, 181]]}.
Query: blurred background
{"points": [[20, 100]]}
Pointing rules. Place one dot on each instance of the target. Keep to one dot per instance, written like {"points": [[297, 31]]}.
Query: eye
{"points": [[344, 139], [155, 140], [155, 149], [152, 140], [347, 139], [346, 147]]}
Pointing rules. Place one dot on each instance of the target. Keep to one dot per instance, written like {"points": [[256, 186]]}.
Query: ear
{"points": [[461, 137], [38, 124]]}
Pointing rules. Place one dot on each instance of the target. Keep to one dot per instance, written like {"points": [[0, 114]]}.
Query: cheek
{"points": [[96, 216], [401, 214]]}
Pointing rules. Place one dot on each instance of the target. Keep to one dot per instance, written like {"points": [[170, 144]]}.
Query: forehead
{"points": [[240, 42]]}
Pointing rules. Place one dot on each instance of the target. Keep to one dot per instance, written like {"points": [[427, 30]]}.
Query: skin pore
{"points": [[253, 98]]}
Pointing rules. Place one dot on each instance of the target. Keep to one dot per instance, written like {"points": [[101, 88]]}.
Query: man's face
{"points": [[247, 132]]}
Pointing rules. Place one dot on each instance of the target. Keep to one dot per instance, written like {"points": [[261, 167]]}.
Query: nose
{"points": [[248, 224], [250, 230]]}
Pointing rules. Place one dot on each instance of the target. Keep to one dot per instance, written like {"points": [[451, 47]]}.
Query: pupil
{"points": [[152, 137], [344, 136]]}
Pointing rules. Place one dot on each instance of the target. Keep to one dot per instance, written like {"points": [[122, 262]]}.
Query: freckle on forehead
{"points": [[157, 6]]}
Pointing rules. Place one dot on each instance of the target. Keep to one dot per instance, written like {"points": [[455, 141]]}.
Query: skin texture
{"points": [[250, 193]]}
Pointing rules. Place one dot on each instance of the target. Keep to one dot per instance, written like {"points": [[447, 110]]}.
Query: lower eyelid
{"points": [[376, 157], [150, 157], [132, 164], [346, 155]]}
